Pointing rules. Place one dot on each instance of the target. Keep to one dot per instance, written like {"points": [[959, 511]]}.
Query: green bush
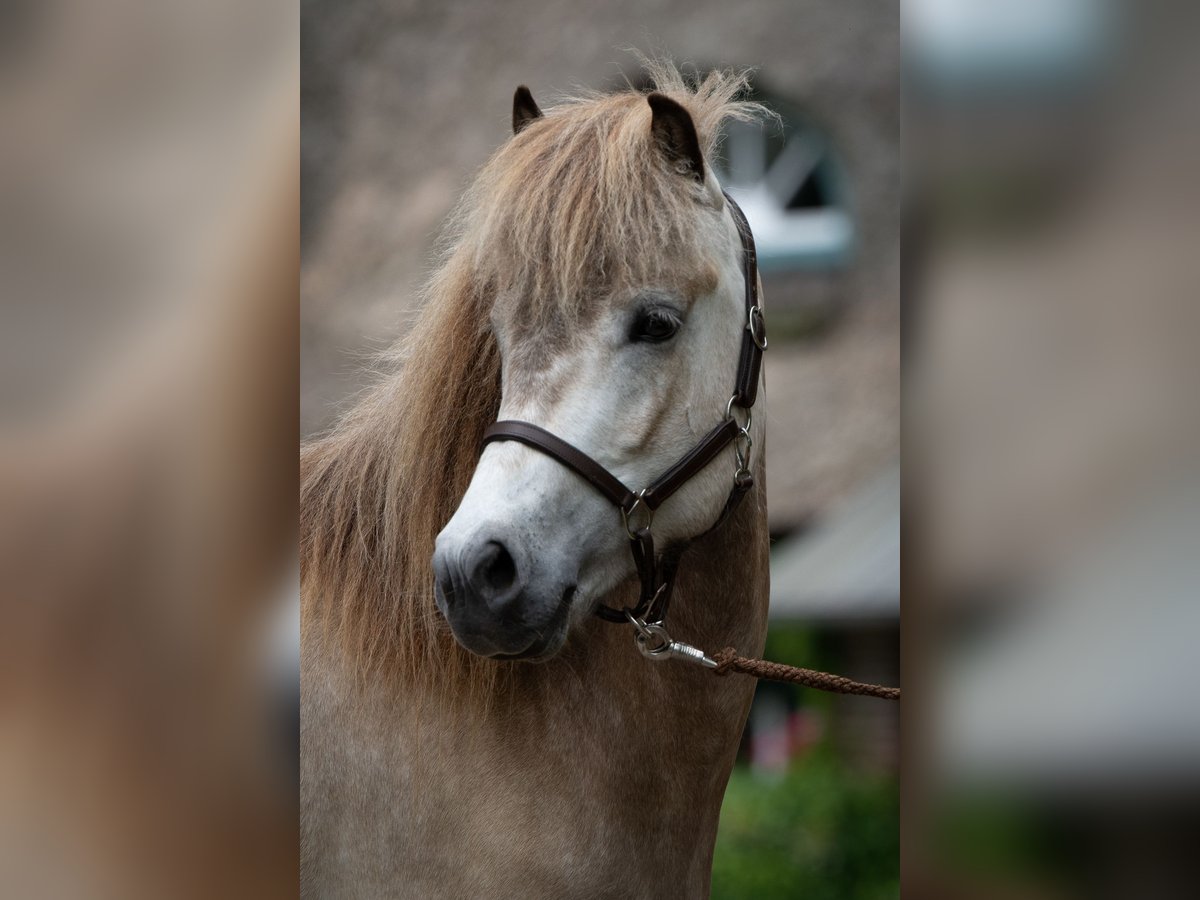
{"points": [[821, 832]]}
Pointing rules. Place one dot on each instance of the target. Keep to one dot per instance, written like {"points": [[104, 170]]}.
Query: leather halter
{"points": [[657, 574]]}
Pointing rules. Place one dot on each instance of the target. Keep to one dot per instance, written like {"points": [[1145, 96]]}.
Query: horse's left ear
{"points": [[525, 109], [675, 134]]}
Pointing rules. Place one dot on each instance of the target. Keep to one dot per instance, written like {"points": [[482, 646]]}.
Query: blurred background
{"points": [[402, 103], [1051, 573], [149, 207]]}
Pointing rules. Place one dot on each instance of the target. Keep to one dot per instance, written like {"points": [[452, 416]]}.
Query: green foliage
{"points": [[1002, 836], [821, 832], [793, 645]]}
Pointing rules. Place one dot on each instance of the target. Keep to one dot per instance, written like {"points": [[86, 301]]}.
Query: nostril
{"points": [[495, 568]]}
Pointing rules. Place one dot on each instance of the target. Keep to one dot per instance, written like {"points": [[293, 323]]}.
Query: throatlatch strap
{"points": [[745, 390]]}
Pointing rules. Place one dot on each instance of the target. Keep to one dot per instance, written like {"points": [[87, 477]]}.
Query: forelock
{"points": [[581, 203]]}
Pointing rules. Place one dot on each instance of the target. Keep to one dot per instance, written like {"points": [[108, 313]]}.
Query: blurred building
{"points": [[841, 579], [1057, 483]]}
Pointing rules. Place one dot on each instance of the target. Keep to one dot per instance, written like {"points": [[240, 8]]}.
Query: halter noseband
{"points": [[657, 575]]}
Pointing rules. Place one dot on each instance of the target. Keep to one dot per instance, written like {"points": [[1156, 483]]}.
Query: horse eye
{"points": [[653, 326]]}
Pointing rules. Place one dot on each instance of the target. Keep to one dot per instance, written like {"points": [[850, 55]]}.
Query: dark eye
{"points": [[654, 325]]}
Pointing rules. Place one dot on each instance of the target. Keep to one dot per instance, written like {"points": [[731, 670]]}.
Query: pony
{"points": [[512, 744]]}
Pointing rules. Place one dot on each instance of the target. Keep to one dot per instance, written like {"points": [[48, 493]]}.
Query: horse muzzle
{"points": [[496, 608]]}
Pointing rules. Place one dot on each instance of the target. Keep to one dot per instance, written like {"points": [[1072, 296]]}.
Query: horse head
{"points": [[617, 302]]}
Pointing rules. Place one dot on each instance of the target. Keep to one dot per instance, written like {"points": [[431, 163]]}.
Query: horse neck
{"points": [[599, 755], [653, 742]]}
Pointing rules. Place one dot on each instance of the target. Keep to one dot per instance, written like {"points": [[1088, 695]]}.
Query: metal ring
{"points": [[729, 412], [745, 429], [757, 326], [638, 500], [656, 633], [646, 633], [744, 442]]}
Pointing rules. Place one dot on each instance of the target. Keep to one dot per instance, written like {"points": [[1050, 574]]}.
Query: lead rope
{"points": [[728, 661], [655, 643]]}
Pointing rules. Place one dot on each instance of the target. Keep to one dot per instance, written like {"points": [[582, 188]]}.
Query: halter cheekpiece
{"points": [[657, 572]]}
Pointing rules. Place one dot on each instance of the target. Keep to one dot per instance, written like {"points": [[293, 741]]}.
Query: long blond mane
{"points": [[578, 201]]}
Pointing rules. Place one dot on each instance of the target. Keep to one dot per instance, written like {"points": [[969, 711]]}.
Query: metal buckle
{"points": [[741, 449], [627, 514], [652, 614], [655, 643], [757, 326], [729, 410]]}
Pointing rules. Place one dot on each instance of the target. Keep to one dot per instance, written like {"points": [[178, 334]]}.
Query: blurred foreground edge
{"points": [[147, 670]]}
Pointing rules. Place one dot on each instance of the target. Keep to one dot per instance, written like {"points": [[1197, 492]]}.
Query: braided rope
{"points": [[728, 661]]}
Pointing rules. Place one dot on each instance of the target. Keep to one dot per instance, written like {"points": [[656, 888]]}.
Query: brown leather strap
{"points": [[653, 604], [691, 464], [745, 390], [575, 460], [742, 483], [645, 560], [599, 477]]}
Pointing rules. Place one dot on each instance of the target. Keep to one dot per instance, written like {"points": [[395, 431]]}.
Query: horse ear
{"points": [[675, 134], [525, 109]]}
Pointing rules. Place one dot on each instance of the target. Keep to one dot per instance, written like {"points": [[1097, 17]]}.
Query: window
{"points": [[786, 180]]}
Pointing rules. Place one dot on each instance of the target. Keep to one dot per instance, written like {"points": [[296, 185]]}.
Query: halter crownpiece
{"points": [[657, 574]]}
